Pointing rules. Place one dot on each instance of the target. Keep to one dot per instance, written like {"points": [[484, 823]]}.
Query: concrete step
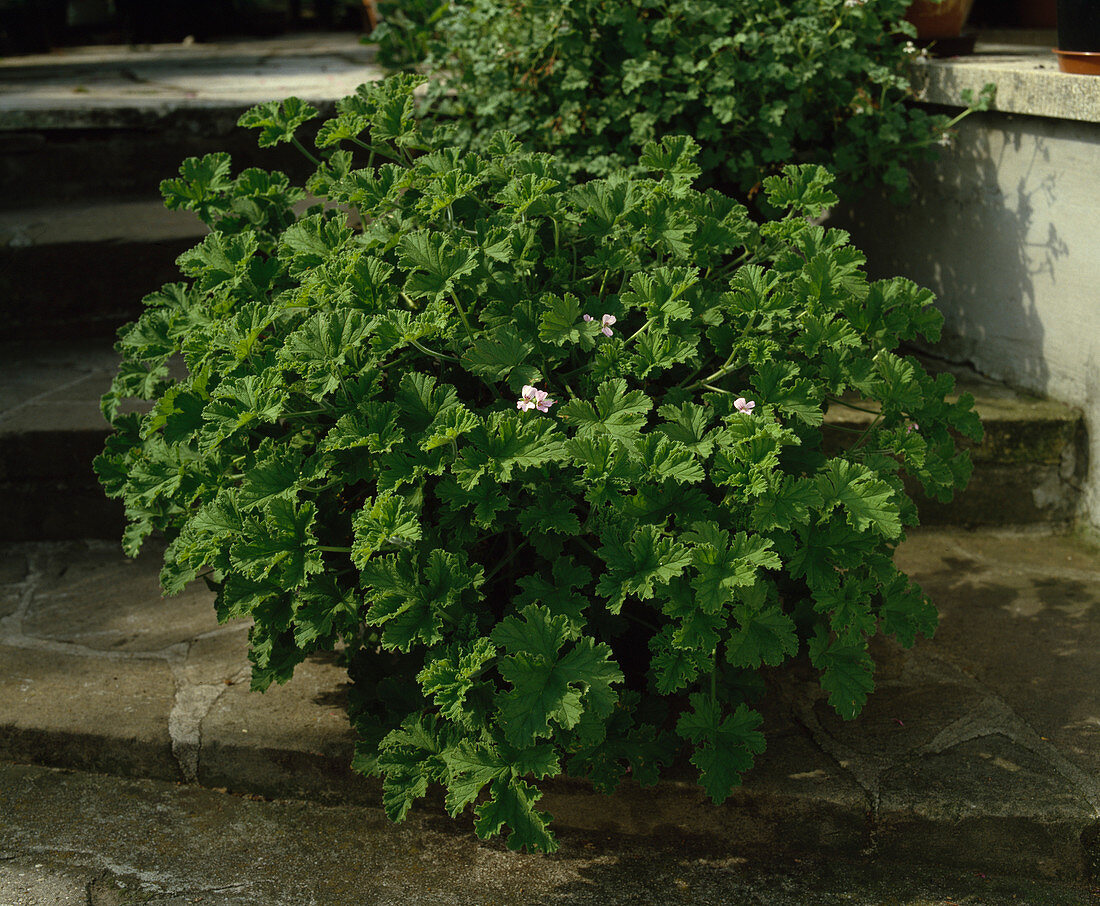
{"points": [[1027, 471], [1030, 467], [981, 758], [82, 269], [81, 839], [114, 121], [87, 135]]}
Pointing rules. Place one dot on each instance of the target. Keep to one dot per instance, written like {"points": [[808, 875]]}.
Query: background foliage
{"points": [[758, 83]]}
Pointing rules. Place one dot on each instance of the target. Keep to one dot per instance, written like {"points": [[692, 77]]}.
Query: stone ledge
{"points": [[1027, 77]]}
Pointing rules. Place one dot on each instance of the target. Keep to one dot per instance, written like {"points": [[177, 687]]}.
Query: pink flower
{"points": [[911, 427], [606, 321], [743, 405], [534, 399]]}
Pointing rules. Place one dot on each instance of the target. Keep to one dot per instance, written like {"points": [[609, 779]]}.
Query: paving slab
{"points": [[73, 838], [124, 87], [85, 712], [978, 749]]}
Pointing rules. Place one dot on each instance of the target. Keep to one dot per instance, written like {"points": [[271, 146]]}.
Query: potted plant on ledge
{"points": [[1079, 36]]}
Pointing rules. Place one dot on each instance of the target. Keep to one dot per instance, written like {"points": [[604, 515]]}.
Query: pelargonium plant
{"points": [[544, 461]]}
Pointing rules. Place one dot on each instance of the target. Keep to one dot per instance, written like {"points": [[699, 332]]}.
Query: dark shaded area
{"points": [[38, 26]]}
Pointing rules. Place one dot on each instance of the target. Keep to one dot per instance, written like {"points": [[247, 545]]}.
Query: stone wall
{"points": [[1005, 227]]}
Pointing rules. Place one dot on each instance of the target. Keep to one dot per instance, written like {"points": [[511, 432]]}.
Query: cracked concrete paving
{"points": [[979, 749], [92, 840]]}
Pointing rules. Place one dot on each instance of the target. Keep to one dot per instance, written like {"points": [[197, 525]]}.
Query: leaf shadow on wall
{"points": [[980, 232]]}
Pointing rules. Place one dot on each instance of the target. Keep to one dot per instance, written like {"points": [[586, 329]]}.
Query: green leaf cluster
{"points": [[758, 83], [333, 440]]}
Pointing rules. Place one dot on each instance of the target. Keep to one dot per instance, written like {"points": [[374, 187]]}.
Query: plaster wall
{"points": [[1005, 228]]}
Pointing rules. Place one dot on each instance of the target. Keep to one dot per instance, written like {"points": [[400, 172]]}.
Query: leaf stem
{"points": [[426, 351], [312, 158], [840, 402], [462, 314]]}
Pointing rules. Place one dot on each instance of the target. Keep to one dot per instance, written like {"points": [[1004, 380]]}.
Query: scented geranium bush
{"points": [[758, 83], [545, 461]]}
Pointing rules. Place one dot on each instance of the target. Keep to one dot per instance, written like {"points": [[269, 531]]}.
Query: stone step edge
{"points": [[766, 816]]}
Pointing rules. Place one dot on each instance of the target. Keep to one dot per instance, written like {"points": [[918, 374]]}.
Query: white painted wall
{"points": [[1005, 228]]}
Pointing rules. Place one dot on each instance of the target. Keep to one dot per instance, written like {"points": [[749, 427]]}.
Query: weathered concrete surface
{"points": [[71, 838], [1025, 72], [104, 87], [1004, 229], [979, 750]]}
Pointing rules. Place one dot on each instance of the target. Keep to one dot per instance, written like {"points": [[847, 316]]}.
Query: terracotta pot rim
{"points": [[1078, 62]]}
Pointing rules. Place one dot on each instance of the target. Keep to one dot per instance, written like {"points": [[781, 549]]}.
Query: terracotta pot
{"points": [[938, 20], [1079, 62]]}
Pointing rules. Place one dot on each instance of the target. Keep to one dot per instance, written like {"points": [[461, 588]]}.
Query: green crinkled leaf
{"points": [[778, 387], [762, 636], [661, 292], [868, 501], [282, 544], [847, 672], [802, 188], [421, 400], [311, 242], [549, 514], [848, 608], [636, 567], [373, 428], [509, 441], [277, 476], [723, 563], [687, 425], [434, 264], [561, 322], [726, 746], [906, 611], [387, 522], [243, 402], [409, 759], [409, 600], [675, 156], [448, 679], [201, 186], [667, 459], [617, 413], [277, 120], [673, 667], [501, 357], [787, 501], [512, 805], [219, 259], [549, 685], [448, 426]]}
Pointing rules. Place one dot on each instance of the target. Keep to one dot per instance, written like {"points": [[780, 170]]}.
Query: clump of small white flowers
{"points": [[606, 321], [946, 140], [851, 4], [534, 399]]}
